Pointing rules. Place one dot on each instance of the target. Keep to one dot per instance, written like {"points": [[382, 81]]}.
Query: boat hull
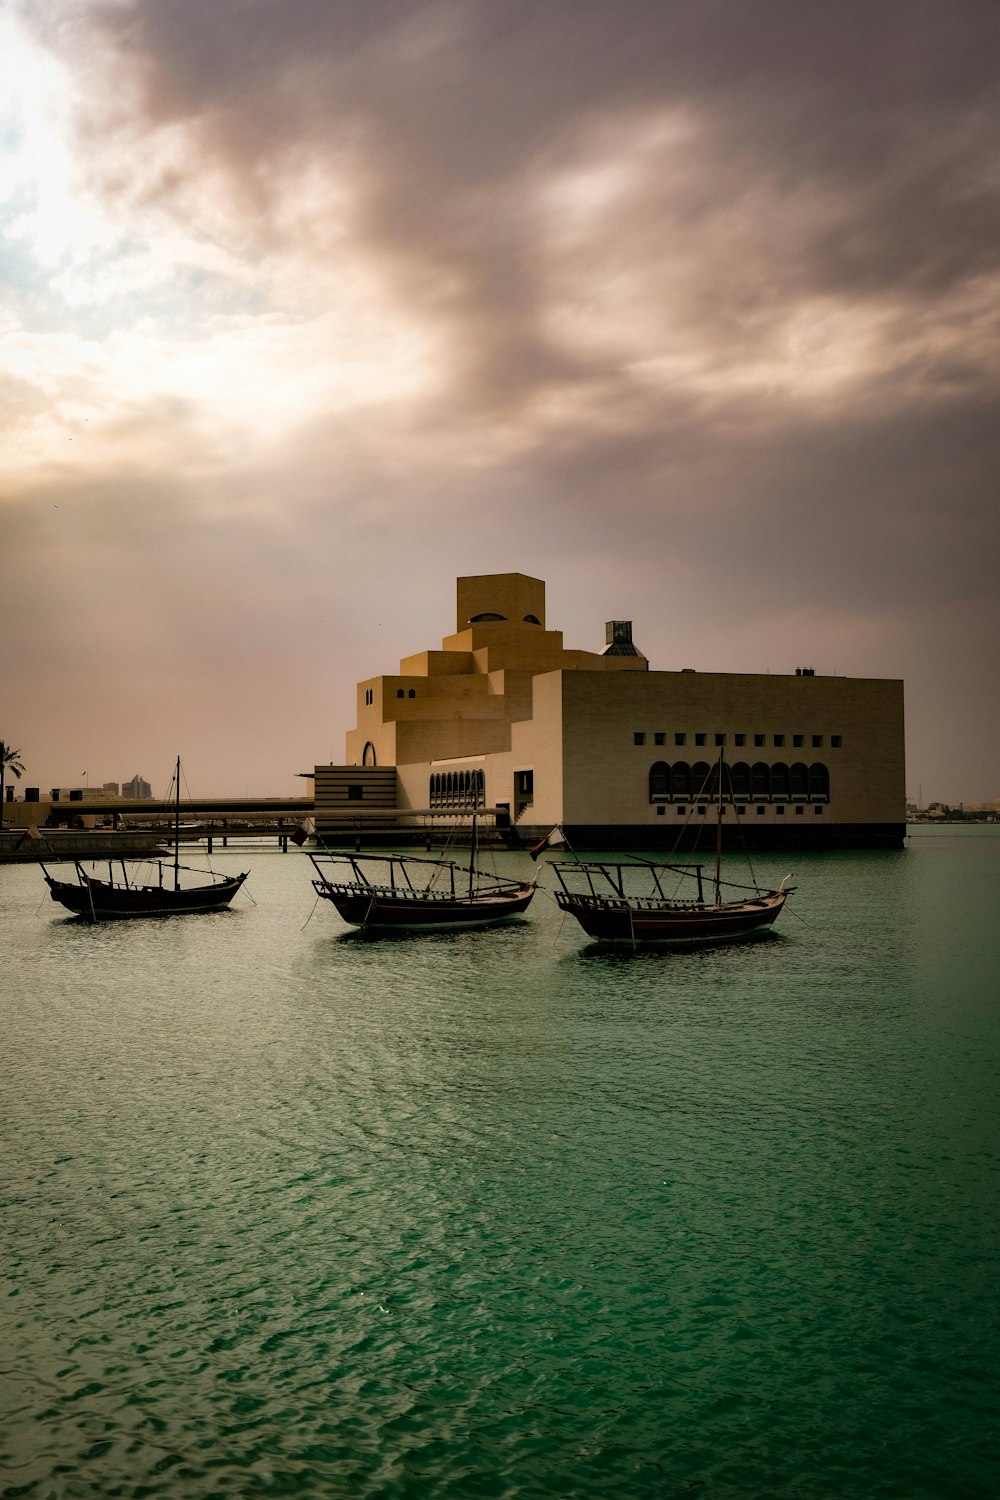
{"points": [[97, 900], [662, 922], [420, 912]]}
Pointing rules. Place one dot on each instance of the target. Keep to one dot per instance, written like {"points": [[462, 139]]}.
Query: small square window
{"points": [[779, 740], [699, 739], [758, 740], [701, 812], [780, 811], [681, 810], [818, 811], [817, 741], [639, 737], [740, 739], [355, 794], [680, 738], [659, 739], [740, 811], [835, 741], [660, 811], [760, 812], [798, 741], [720, 739], [800, 811]]}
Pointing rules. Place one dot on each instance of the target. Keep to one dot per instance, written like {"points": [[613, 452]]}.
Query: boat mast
{"points": [[472, 851], [718, 835], [177, 827]]}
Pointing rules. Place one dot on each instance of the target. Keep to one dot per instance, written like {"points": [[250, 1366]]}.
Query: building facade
{"points": [[138, 789], [505, 716]]}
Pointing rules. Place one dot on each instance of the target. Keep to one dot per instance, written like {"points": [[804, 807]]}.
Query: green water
{"points": [[289, 1212]]}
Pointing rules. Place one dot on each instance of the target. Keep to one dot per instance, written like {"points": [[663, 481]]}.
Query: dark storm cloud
{"points": [[889, 107], [844, 152]]}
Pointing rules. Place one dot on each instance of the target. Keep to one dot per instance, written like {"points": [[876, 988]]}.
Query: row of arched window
{"points": [[457, 789], [759, 782]]}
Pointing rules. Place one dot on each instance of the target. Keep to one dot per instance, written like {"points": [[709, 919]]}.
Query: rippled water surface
{"points": [[290, 1211]]}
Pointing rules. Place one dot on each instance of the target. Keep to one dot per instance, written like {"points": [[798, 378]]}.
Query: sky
{"points": [[689, 307]]}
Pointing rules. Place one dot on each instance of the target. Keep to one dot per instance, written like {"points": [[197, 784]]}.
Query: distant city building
{"points": [[505, 716], [107, 792], [137, 790]]}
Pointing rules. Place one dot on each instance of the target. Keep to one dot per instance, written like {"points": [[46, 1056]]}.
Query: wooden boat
{"points": [[143, 888], [403, 892], [611, 905], [628, 901]]}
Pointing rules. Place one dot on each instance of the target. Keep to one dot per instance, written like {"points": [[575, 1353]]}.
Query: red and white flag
{"points": [[551, 840], [305, 830]]}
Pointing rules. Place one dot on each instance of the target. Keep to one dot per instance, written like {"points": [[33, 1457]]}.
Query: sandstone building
{"points": [[619, 755]]}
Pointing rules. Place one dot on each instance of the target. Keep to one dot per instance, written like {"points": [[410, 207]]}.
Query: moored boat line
{"points": [[404, 892]]}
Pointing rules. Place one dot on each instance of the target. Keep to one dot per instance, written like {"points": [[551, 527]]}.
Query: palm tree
{"points": [[10, 760]]}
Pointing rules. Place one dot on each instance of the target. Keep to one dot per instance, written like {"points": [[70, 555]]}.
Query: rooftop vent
{"points": [[618, 634]]}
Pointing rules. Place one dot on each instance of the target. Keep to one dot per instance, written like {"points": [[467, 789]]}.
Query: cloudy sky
{"points": [[689, 307]]}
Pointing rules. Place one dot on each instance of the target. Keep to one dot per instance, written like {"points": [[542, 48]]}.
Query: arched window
{"points": [[532, 620], [412, 693], [368, 755], [779, 779], [659, 780], [819, 782], [760, 781], [481, 788], [399, 693], [701, 779], [739, 779], [798, 779], [680, 779], [487, 617]]}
